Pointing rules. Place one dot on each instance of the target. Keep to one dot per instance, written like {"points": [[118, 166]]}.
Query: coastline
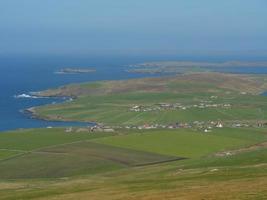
{"points": [[30, 112], [244, 85], [69, 92]]}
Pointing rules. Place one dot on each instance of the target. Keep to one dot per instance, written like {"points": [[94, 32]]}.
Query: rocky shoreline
{"points": [[31, 112]]}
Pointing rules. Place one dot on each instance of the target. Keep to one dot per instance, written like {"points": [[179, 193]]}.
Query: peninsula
{"points": [[170, 67], [184, 98]]}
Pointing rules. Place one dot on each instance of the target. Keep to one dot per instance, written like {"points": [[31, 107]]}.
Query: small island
{"points": [[74, 70]]}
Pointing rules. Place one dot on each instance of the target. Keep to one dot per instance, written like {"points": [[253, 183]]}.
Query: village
{"points": [[91, 129], [176, 106], [202, 126]]}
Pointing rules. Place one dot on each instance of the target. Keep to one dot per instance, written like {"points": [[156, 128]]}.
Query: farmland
{"points": [[127, 163], [200, 97], [160, 151], [177, 143], [84, 153]]}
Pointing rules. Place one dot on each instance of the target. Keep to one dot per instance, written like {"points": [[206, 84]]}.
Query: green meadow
{"points": [[183, 143], [115, 109], [53, 153], [127, 164], [110, 102], [53, 164]]}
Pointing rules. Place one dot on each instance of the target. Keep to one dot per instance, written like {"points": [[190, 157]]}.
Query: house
{"points": [[207, 130], [108, 130], [68, 130], [82, 130], [237, 125], [214, 97], [147, 126], [219, 125], [165, 105]]}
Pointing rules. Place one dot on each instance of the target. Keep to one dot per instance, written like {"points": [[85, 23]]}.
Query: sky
{"points": [[146, 26]]}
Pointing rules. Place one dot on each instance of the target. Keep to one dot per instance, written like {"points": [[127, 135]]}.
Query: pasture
{"points": [[53, 153], [114, 109], [183, 142], [162, 163], [241, 176], [110, 102]]}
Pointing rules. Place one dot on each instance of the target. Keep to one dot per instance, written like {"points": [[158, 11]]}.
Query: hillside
{"points": [[203, 97], [53, 164], [189, 137], [232, 82]]}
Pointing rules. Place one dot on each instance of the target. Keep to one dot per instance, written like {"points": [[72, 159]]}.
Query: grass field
{"points": [[235, 177], [31, 139], [183, 143], [129, 164], [110, 102], [115, 109], [52, 153], [4, 154], [133, 164]]}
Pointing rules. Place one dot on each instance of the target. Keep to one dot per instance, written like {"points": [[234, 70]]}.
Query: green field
{"points": [[135, 165], [183, 143], [138, 163], [4, 154], [31, 139], [51, 153], [114, 109], [110, 102]]}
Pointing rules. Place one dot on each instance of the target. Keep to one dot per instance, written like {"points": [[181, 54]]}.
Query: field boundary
{"points": [[160, 162]]}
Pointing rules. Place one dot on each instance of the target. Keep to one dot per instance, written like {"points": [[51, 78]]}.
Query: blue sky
{"points": [[110, 26]]}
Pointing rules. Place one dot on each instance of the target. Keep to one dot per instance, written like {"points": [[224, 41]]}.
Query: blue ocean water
{"points": [[24, 74]]}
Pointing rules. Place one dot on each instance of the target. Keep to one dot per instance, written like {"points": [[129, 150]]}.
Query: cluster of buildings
{"points": [[252, 124], [90, 129], [205, 126], [175, 106]]}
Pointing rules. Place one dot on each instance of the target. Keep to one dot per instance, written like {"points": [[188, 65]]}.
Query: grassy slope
{"points": [[114, 109], [198, 82], [109, 102], [50, 153], [4, 154], [184, 143], [241, 176], [235, 177], [24, 148], [31, 139]]}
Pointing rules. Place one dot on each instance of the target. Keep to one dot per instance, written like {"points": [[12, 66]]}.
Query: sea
{"points": [[22, 74]]}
